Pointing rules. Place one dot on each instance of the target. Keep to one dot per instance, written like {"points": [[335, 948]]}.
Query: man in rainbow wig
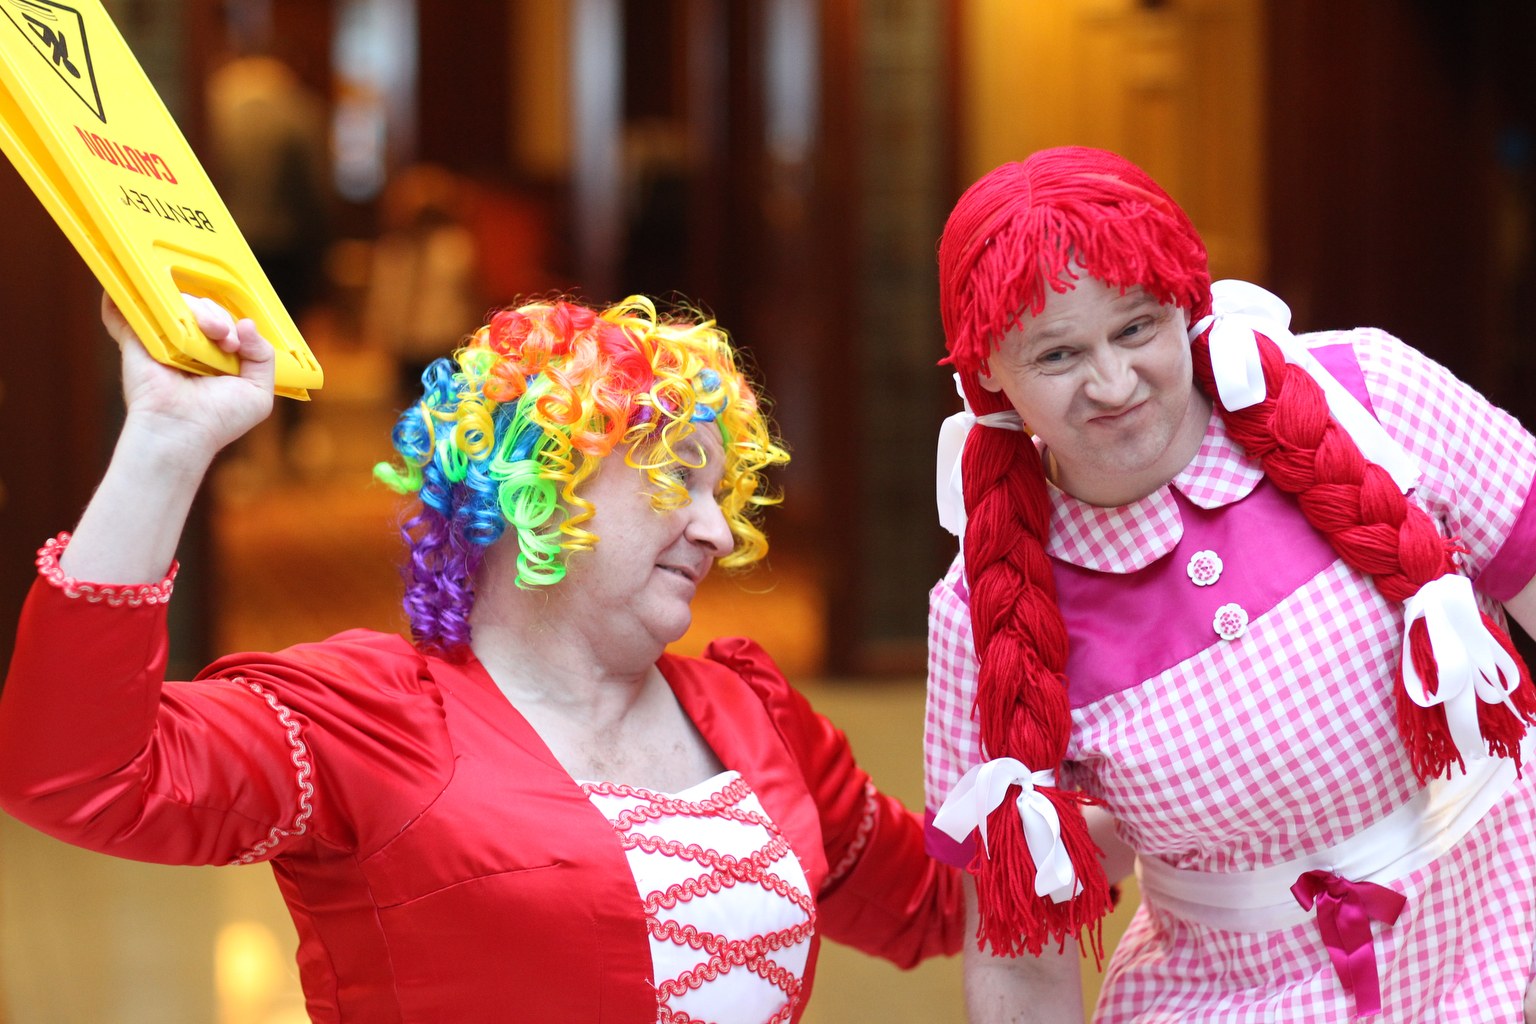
{"points": [[532, 811], [1227, 603]]}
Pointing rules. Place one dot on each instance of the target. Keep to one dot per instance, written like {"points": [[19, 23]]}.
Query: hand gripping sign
{"points": [[90, 136]]}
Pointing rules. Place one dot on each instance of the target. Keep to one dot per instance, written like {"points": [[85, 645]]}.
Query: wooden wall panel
{"points": [[1177, 87]]}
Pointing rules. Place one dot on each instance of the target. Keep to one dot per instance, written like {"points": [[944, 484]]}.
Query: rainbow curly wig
{"points": [[507, 430]]}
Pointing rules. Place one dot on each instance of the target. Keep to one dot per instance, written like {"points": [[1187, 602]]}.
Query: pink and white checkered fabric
{"points": [[1476, 458], [1213, 477], [1136, 535], [1258, 751], [1460, 953]]}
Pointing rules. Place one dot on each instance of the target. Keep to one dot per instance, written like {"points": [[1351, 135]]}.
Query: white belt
{"points": [[1396, 846]]}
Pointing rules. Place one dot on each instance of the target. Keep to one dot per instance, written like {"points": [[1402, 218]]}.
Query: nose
{"points": [[1111, 377], [707, 527]]}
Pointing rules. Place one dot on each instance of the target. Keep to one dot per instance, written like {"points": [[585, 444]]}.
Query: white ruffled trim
{"points": [[303, 773]]}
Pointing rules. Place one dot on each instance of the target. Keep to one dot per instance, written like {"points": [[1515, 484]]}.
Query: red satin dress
{"points": [[438, 862]]}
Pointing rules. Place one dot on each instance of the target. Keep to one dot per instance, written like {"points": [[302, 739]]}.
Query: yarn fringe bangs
{"points": [[1028, 226], [1067, 240]]}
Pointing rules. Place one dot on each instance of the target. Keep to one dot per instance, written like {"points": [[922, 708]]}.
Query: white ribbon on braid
{"points": [[981, 791], [949, 487], [1470, 662], [1240, 309]]}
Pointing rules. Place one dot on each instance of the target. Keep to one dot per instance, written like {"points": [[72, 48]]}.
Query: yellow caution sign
{"points": [[87, 131]]}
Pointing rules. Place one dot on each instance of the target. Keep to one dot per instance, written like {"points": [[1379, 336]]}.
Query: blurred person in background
{"points": [[423, 282], [270, 161]]}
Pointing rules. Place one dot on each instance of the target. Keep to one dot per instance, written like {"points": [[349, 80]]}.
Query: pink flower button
{"points": [[1231, 621], [1204, 568]]}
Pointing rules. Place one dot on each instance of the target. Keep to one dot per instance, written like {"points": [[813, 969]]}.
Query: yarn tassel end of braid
{"points": [[1013, 920], [1504, 725], [1426, 735]]}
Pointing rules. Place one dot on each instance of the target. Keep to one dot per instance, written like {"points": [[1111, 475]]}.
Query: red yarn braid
{"points": [[1021, 642], [1375, 529]]}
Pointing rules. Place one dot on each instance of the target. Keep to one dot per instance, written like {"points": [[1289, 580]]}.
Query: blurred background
{"points": [[403, 166]]}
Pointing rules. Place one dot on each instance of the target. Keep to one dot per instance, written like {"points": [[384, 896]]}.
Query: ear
{"points": [[988, 382]]}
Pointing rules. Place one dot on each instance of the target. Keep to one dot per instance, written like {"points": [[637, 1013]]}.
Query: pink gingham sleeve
{"points": [[1477, 461], [951, 736]]}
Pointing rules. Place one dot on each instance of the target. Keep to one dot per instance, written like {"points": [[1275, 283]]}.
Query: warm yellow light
{"points": [[248, 972]]}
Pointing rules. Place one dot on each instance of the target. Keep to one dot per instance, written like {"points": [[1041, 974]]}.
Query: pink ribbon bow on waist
{"points": [[1345, 911]]}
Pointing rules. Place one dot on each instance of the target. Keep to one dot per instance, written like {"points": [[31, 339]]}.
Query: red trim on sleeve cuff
{"points": [[132, 595]]}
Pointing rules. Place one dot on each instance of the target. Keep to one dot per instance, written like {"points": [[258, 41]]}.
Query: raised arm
{"points": [[175, 424], [93, 749]]}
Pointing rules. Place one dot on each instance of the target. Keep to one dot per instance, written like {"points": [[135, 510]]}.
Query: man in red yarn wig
{"points": [[1215, 608]]}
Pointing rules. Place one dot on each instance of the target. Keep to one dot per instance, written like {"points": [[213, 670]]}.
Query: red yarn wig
{"points": [[1021, 229]]}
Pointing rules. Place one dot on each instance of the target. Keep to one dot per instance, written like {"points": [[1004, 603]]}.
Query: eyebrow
{"points": [[1058, 329], [1131, 302]]}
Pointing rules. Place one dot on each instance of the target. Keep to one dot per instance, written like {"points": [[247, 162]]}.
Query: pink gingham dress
{"points": [[1230, 684]]}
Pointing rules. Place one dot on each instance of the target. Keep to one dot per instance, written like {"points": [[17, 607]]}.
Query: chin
{"points": [[672, 632]]}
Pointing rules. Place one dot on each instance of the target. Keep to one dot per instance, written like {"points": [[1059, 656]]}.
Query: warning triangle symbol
{"points": [[57, 33]]}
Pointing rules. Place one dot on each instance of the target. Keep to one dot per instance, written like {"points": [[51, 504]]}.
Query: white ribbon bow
{"points": [[1468, 658], [982, 789], [949, 488], [1239, 309]]}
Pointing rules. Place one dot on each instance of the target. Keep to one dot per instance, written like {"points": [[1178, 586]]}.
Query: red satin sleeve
{"points": [[258, 755], [883, 894]]}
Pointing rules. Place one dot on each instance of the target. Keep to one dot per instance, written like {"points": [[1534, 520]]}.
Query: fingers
{"points": [[241, 339], [113, 320], [257, 362], [214, 321], [250, 346]]}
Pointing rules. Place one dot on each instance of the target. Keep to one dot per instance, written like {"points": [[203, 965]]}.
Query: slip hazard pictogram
{"points": [[57, 33]]}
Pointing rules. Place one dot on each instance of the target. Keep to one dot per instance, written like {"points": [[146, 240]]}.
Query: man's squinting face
{"points": [[1105, 380]]}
